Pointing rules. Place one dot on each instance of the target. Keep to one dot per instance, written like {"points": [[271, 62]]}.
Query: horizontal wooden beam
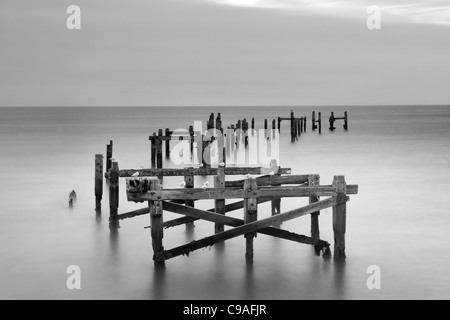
{"points": [[271, 180], [248, 228], [201, 171], [238, 193]]}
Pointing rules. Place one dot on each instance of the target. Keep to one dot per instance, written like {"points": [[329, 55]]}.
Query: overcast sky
{"points": [[224, 52]]}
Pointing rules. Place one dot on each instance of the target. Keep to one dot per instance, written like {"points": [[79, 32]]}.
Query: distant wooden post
{"points": [[345, 121], [167, 143], [331, 121], [219, 123], [253, 123], [191, 142], [98, 181], [114, 197], [189, 184], [109, 154], [320, 122], [313, 121], [340, 218], [251, 215], [219, 182], [279, 124], [300, 126], [292, 127], [153, 150], [313, 181], [159, 152], [266, 126], [156, 219], [304, 124]]}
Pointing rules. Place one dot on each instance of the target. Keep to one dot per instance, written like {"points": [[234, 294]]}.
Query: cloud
{"points": [[429, 12]]}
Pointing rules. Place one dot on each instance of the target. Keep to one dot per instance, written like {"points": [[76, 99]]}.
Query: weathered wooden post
{"points": [[300, 126], [98, 181], [313, 121], [191, 142], [313, 181], [292, 127], [331, 121], [345, 121], [159, 153], [156, 220], [114, 196], [253, 123], [153, 150], [251, 215], [189, 184], [276, 203], [219, 182], [279, 124], [304, 124], [340, 217], [266, 126], [109, 154], [320, 122], [167, 143]]}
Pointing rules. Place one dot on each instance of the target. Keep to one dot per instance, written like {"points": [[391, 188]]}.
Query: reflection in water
{"points": [[340, 280], [159, 282], [249, 283], [114, 244]]}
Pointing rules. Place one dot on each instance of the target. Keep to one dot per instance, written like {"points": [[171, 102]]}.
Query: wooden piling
{"points": [[304, 124], [331, 121], [156, 220], [276, 203], [313, 121], [279, 124], [320, 122], [292, 127], [219, 204], [340, 218], [299, 128], [159, 152], [109, 154], [191, 142], [98, 181], [153, 150], [345, 121], [167, 143], [189, 184], [114, 196], [314, 180], [253, 123], [251, 215]]}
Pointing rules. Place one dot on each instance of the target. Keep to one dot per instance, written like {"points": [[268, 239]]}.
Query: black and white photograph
{"points": [[226, 155]]}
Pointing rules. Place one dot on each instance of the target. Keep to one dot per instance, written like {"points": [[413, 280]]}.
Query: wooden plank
{"points": [[339, 218], [201, 171], [233, 193], [271, 181], [246, 228]]}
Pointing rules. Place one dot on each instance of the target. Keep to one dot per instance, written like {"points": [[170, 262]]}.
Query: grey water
{"points": [[398, 155]]}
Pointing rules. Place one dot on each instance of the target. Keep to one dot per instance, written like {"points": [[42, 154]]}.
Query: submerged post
{"points": [[189, 184], [292, 127], [98, 181], [251, 215], [159, 152], [304, 124], [219, 204], [167, 143], [331, 120], [253, 123], [114, 197], [346, 121], [340, 218], [314, 180], [109, 154], [279, 124], [153, 150], [156, 220], [313, 121], [276, 203], [320, 122]]}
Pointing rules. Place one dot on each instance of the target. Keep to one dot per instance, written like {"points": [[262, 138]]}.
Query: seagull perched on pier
{"points": [[222, 164], [288, 172], [183, 184], [136, 174], [272, 173], [205, 185], [201, 165]]}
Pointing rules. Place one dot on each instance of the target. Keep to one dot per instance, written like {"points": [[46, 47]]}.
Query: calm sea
{"points": [[399, 221]]}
